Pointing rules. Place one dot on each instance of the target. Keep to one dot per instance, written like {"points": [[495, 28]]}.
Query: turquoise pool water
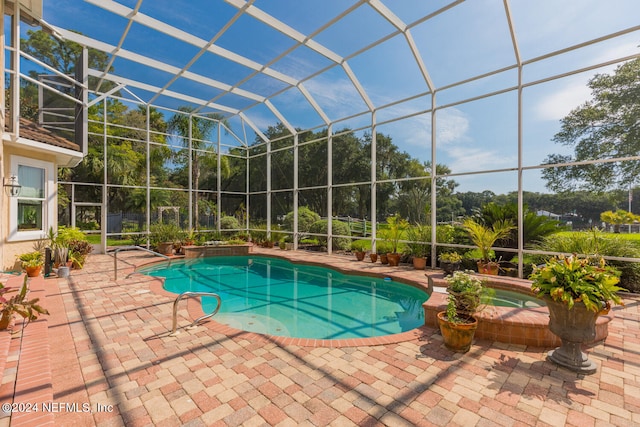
{"points": [[273, 296], [505, 298]]}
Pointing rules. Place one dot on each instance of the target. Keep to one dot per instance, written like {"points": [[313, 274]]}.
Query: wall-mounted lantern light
{"points": [[11, 186]]}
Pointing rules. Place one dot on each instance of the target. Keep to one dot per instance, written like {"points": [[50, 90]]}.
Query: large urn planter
{"points": [[574, 327], [576, 291], [457, 337]]}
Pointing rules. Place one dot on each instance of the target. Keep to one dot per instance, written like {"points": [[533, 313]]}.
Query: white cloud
{"points": [[574, 90], [452, 126], [467, 159], [558, 104], [338, 98]]}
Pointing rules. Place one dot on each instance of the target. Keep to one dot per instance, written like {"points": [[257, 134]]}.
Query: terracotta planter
{"points": [[33, 271], [384, 259], [5, 321], [374, 257], [360, 255], [457, 336], [574, 327], [490, 268], [165, 248], [394, 259], [419, 263]]}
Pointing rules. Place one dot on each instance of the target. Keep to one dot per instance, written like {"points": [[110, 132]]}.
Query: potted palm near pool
{"points": [[457, 323], [484, 237], [418, 244], [359, 248], [576, 291], [395, 227]]}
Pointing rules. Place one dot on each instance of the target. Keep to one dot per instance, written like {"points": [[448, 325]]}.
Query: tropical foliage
{"points": [[597, 242], [570, 279]]}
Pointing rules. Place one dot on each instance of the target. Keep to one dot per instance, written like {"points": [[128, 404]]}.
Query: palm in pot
{"points": [[484, 237]]}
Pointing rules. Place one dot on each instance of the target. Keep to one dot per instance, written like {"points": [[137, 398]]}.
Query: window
{"points": [[31, 198], [32, 212]]}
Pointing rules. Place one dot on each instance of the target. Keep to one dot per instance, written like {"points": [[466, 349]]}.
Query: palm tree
{"points": [[201, 130], [618, 218]]}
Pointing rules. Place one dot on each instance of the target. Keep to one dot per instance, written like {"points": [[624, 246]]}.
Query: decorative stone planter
{"points": [[574, 327]]}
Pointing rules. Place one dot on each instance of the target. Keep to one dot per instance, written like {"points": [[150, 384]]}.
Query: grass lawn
{"points": [[633, 237], [94, 239]]}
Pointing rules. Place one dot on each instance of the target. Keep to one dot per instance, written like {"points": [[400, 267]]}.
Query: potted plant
{"points": [[457, 323], [419, 237], [450, 262], [395, 227], [577, 291], [484, 237], [78, 251], [359, 248], [383, 247], [32, 263], [163, 236], [18, 304]]}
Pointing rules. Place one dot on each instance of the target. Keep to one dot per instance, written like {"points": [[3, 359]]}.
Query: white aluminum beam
{"points": [[154, 89], [159, 65], [178, 34]]}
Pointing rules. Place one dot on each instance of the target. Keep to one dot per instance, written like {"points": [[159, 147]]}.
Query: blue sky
{"points": [[468, 40]]}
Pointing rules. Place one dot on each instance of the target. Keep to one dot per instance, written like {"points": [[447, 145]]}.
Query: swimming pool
{"points": [[276, 297]]}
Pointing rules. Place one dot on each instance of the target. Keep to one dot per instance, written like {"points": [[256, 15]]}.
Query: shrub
{"points": [[306, 218], [229, 223], [338, 227], [360, 245], [67, 234]]}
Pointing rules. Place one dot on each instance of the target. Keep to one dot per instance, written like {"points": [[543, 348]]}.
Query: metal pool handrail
{"points": [[131, 248], [190, 294]]}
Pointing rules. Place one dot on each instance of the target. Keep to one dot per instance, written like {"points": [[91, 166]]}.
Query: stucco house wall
{"points": [[44, 150]]}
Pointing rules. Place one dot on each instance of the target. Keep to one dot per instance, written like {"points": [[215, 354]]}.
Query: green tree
{"points": [[605, 127], [203, 156], [62, 56], [618, 218]]}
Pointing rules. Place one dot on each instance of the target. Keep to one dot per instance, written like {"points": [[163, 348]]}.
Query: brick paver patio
{"points": [[109, 346]]}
